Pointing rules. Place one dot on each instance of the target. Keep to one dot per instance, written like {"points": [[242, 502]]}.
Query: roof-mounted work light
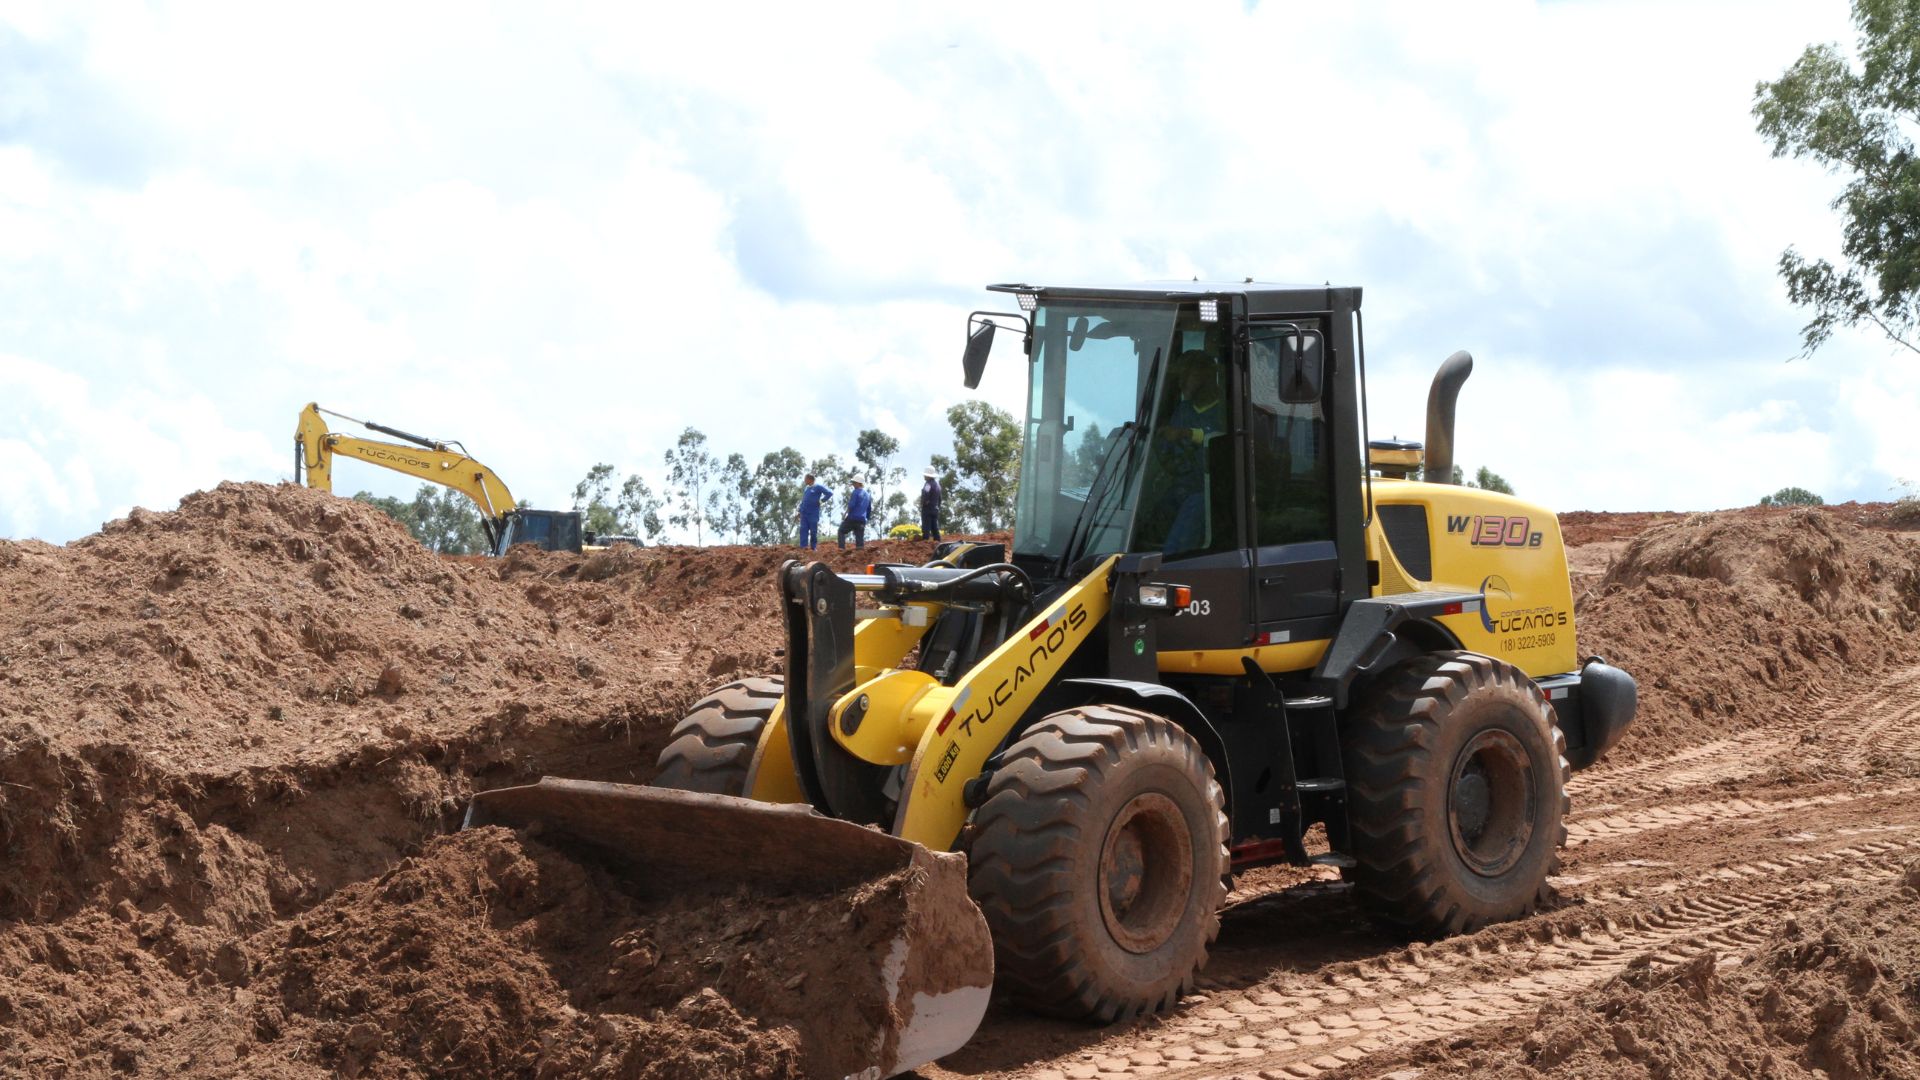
{"points": [[1210, 310], [1028, 301]]}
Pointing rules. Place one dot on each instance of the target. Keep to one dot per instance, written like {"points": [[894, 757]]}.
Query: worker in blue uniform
{"points": [[812, 500], [859, 505], [930, 497]]}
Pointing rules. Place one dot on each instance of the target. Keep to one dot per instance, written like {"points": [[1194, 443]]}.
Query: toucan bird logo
{"points": [[1492, 583]]}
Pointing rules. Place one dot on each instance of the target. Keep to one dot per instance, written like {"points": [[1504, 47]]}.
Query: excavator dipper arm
{"points": [[315, 447]]}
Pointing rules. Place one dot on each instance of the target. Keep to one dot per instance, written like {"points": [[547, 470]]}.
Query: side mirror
{"points": [[974, 362], [1300, 369]]}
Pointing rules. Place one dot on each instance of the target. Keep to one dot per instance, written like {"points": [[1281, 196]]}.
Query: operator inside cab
{"points": [[1193, 416], [1292, 477], [1186, 507]]}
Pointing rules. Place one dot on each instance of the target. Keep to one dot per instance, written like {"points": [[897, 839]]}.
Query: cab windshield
{"points": [[1104, 374]]}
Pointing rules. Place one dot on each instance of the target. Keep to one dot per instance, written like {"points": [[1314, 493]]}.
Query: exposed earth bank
{"points": [[235, 736]]}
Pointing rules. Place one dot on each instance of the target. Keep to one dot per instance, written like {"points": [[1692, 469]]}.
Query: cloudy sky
{"points": [[563, 236]]}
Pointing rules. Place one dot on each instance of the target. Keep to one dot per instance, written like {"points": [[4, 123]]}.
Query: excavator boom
{"points": [[437, 462]]}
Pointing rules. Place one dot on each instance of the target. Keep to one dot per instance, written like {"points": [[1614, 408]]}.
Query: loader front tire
{"points": [[1458, 778], [1099, 857], [712, 748]]}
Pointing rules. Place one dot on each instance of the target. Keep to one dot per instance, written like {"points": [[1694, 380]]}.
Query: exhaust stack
{"points": [[1446, 388]]}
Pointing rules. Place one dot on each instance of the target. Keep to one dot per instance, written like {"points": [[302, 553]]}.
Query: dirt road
{"points": [[1709, 849]]}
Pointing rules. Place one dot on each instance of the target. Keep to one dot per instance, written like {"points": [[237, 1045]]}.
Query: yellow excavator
{"points": [[445, 463], [1220, 624]]}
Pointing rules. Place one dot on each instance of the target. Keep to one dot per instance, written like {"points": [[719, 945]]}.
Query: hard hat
{"points": [[929, 471]]}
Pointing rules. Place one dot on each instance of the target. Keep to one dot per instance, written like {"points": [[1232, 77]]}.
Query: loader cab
{"points": [[1199, 422]]}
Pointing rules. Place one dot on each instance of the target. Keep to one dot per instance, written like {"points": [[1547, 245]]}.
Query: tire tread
{"points": [[711, 748]]}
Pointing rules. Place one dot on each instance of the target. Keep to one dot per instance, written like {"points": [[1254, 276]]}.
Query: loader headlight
{"points": [[1210, 310], [1165, 596], [1027, 300]]}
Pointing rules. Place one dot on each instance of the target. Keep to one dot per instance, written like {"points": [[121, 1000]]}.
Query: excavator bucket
{"points": [[935, 972]]}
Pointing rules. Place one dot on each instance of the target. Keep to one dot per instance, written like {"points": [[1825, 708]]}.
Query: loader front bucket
{"points": [[934, 964]]}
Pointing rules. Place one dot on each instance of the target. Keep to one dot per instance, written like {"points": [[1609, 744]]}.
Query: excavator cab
{"points": [[549, 530]]}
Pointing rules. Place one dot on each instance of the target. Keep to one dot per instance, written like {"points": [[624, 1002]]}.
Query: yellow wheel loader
{"points": [[1216, 627]]}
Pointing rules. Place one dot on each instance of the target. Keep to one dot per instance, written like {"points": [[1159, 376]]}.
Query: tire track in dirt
{"points": [[1716, 812], [1344, 1012], [1897, 724], [1897, 727], [1894, 703], [1303, 1026], [1696, 766]]}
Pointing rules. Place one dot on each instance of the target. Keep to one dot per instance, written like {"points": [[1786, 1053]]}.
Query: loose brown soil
{"points": [[231, 737], [1832, 993], [234, 739]]}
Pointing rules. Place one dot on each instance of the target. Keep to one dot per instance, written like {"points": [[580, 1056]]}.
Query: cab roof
{"points": [[1261, 297]]}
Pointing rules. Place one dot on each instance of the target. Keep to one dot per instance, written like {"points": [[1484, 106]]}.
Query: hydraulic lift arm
{"points": [[439, 462]]}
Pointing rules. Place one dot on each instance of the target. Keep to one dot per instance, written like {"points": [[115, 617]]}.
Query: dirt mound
{"points": [[1835, 994], [1581, 527], [492, 954], [671, 579], [265, 625], [231, 736], [1723, 616]]}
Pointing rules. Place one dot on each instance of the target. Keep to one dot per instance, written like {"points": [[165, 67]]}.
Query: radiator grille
{"points": [[1406, 529]]}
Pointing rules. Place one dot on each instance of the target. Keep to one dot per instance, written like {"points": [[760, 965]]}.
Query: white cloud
{"points": [[562, 237], [75, 451]]}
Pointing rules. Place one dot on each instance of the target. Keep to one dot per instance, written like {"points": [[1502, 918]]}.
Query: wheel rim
{"points": [[1490, 802], [1146, 872]]}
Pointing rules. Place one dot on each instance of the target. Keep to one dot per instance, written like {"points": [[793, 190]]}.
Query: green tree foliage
{"points": [[1489, 480], [982, 477], [639, 510], [728, 500], [691, 469], [836, 473], [1792, 496], [399, 511], [1857, 122], [874, 450], [734, 500], [440, 518], [774, 497], [897, 510], [1483, 478], [635, 511], [1083, 459], [593, 498]]}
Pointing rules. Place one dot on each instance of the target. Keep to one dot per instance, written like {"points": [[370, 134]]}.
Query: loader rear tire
{"points": [[1099, 857], [712, 748], [1458, 778]]}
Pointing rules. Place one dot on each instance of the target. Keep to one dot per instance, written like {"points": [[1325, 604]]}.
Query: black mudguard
{"points": [[1608, 700]]}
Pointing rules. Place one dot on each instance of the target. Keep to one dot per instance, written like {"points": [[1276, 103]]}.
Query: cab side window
{"points": [[1187, 497], [1292, 478]]}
